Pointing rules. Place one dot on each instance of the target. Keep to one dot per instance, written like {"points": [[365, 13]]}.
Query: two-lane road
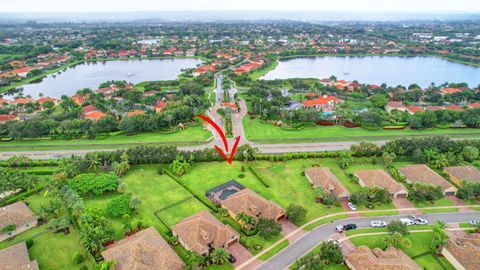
{"points": [[299, 248]]}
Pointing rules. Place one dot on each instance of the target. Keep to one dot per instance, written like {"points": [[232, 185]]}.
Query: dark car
{"points": [[349, 227], [232, 259]]}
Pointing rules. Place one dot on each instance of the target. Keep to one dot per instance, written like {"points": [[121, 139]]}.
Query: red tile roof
{"points": [[450, 90], [135, 112], [94, 115], [414, 109], [321, 101], [89, 109], [454, 108], [474, 105]]}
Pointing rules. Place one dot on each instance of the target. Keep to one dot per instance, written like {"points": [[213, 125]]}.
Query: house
{"points": [[459, 173], [324, 178], [202, 232], [395, 105], [45, 99], [325, 103], [160, 105], [248, 202], [364, 258], [94, 115], [203, 69], [78, 99], [453, 108], [464, 253], [135, 112], [21, 72], [230, 105], [326, 82], [16, 257], [474, 105], [380, 178], [17, 214], [22, 101], [412, 109], [7, 117], [145, 250], [89, 109], [422, 173], [449, 90]]}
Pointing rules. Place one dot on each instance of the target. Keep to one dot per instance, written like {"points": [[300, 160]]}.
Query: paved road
{"points": [[294, 251]]}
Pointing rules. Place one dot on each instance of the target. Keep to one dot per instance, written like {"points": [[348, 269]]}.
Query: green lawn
{"points": [[157, 192], [274, 250], [441, 202], [55, 251], [420, 245], [193, 134], [256, 129], [287, 185]]}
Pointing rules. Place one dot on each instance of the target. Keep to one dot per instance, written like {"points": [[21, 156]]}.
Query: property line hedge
{"points": [[19, 197], [258, 176], [206, 202]]}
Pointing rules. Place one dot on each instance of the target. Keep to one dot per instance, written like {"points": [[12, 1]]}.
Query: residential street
{"points": [[291, 253]]}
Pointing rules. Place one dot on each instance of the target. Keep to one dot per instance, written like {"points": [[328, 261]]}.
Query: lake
{"points": [[392, 70], [92, 74]]}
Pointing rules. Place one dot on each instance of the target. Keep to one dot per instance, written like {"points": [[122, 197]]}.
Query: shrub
{"points": [[396, 226], [296, 213], [241, 175], [268, 228], [94, 183], [119, 205], [77, 258], [425, 192], [29, 243], [83, 267]]}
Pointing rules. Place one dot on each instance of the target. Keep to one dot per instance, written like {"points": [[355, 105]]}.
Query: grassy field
{"points": [[257, 130], [441, 202], [190, 135], [420, 250], [55, 251]]}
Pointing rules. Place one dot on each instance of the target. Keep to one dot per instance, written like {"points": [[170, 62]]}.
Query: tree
{"points": [[247, 222], [331, 253], [425, 192], [119, 205], [220, 256], [296, 213], [396, 226], [359, 198], [470, 153], [194, 260], [135, 203], [60, 223], [327, 198], [268, 228], [345, 159], [95, 229], [379, 101], [388, 158], [440, 237], [397, 240], [9, 229], [77, 258]]}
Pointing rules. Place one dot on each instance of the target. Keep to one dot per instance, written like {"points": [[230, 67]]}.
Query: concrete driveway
{"points": [[405, 203], [288, 227], [242, 255]]}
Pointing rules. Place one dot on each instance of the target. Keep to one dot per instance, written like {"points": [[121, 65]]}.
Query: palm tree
{"points": [[194, 260], [246, 221], [135, 203], [60, 223], [220, 256], [93, 161]]}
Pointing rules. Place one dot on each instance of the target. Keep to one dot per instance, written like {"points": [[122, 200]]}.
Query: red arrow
{"points": [[224, 139]]}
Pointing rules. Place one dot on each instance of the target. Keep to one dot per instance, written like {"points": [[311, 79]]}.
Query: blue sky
{"points": [[189, 5]]}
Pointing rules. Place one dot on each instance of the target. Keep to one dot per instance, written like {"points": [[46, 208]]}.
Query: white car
{"points": [[333, 241], [352, 206], [339, 228], [474, 222], [378, 223], [407, 221], [418, 220]]}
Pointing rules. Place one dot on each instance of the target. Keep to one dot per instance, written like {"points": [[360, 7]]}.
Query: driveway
{"points": [[344, 204], [405, 203], [242, 255], [288, 227], [457, 201]]}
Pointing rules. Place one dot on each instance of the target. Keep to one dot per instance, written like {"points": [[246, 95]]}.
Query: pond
{"points": [[392, 70], [92, 74]]}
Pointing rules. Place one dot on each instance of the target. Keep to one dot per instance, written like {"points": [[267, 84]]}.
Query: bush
{"points": [[29, 243], [77, 258], [83, 267], [268, 228], [119, 205], [241, 175], [296, 213], [94, 183]]}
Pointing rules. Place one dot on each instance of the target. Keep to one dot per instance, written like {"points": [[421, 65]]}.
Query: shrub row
{"points": [[18, 197], [259, 177], [206, 202]]}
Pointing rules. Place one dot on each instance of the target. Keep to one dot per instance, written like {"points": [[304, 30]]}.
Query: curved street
{"points": [[292, 252]]}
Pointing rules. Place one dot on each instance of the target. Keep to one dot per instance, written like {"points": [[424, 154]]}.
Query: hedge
{"points": [[260, 178], [206, 202], [18, 197]]}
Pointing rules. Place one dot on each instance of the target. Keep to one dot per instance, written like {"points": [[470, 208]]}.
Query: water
{"points": [[392, 70], [92, 74]]}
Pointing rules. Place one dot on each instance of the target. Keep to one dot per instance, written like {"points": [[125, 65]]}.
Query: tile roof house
{"points": [[202, 232], [322, 177], [459, 173], [252, 204], [380, 178], [474, 105], [94, 115], [422, 173], [396, 105], [325, 102], [145, 250], [16, 257], [464, 253], [364, 258], [19, 215], [450, 90], [7, 117]]}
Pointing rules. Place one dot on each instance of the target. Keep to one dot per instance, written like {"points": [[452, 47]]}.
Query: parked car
{"points": [[378, 223], [474, 222], [407, 221], [352, 206], [341, 228], [232, 259], [418, 220]]}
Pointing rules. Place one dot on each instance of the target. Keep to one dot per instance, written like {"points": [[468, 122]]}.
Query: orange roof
{"points": [[474, 105], [454, 108], [135, 112], [231, 105], [414, 109], [94, 115], [321, 101], [450, 90], [45, 99], [22, 100]]}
